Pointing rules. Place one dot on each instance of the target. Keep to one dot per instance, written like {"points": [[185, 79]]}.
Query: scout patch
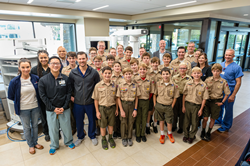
{"points": [[202, 85], [199, 93], [113, 85], [171, 92], [187, 78], [172, 84], [221, 82], [124, 89], [133, 85]]}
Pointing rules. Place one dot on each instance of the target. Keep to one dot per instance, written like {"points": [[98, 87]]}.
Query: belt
{"points": [[128, 102], [164, 105], [193, 103], [218, 100], [107, 107]]}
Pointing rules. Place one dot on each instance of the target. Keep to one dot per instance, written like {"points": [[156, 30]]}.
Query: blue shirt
{"points": [[83, 75], [231, 72]]}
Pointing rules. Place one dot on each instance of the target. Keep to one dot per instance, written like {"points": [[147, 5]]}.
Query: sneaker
{"points": [[112, 143], [105, 144], [114, 135], [78, 142], [208, 137], [94, 141], [130, 142], [147, 130], [138, 139], [155, 129], [173, 129], [52, 151], [180, 131], [47, 138], [119, 135], [162, 139], [203, 134], [124, 142], [171, 138], [222, 130], [190, 140], [97, 131], [185, 139], [72, 146], [144, 139]]}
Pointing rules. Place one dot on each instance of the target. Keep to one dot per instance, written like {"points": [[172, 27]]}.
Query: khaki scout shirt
{"points": [[166, 93], [66, 70], [90, 63], [175, 65], [135, 75], [117, 58], [104, 56], [99, 72], [117, 79], [181, 81], [216, 88], [128, 91], [190, 59], [196, 93], [105, 94], [146, 86], [124, 63], [155, 76], [171, 69]]}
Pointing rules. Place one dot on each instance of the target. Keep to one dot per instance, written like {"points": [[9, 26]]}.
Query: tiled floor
{"points": [[149, 153]]}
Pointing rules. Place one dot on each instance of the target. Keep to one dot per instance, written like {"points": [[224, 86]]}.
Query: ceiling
{"points": [[235, 12], [128, 7]]}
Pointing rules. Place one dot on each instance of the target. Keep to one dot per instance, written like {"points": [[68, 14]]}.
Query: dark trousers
{"points": [[141, 118], [178, 113], [117, 126], [128, 121], [79, 114], [44, 119]]}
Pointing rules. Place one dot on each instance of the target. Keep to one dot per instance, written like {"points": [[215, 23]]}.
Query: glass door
{"points": [[221, 47]]}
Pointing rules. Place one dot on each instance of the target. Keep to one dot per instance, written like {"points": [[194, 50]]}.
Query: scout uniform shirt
{"points": [[66, 70], [195, 93], [190, 57], [146, 86], [104, 56], [155, 75], [181, 81], [117, 79], [134, 75], [128, 91], [166, 93], [105, 94], [117, 58], [216, 88], [171, 69], [90, 63], [124, 63], [175, 65]]}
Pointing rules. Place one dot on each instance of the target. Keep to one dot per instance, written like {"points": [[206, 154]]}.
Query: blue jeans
{"points": [[29, 119]]}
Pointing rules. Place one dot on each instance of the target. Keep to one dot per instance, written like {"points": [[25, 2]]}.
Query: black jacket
{"points": [[83, 87], [55, 93], [206, 72], [34, 71]]}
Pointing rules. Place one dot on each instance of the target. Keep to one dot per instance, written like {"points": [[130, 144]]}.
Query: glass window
{"points": [[221, 44], [231, 41], [211, 41], [244, 25], [56, 34], [238, 44], [229, 24]]}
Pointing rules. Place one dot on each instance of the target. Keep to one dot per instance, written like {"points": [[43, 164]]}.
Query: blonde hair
{"points": [[196, 69], [133, 60], [183, 63], [216, 66], [142, 65], [127, 69], [97, 57]]}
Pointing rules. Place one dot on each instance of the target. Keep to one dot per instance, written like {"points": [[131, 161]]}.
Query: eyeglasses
{"points": [[55, 64], [97, 61], [92, 53], [182, 68]]}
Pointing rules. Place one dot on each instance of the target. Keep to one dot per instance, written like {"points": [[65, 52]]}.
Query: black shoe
{"points": [[144, 139], [190, 140], [119, 135], [208, 137], [97, 131], [138, 139], [147, 130], [47, 138], [180, 131], [155, 129], [174, 128], [115, 135], [203, 134], [185, 139]]}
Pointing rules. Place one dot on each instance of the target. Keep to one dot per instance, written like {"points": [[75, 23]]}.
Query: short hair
{"points": [[180, 48], [112, 49], [129, 48], [199, 49], [81, 53], [101, 42], [133, 60], [216, 66], [110, 57], [120, 45], [230, 50], [142, 48], [191, 43], [98, 57], [106, 68], [127, 69], [196, 69], [155, 59], [165, 69], [167, 55], [71, 54], [92, 49], [183, 63], [142, 65], [145, 54], [117, 62], [54, 57]]}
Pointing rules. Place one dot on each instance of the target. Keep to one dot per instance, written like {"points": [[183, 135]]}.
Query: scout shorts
{"points": [[164, 112], [212, 109], [107, 116]]}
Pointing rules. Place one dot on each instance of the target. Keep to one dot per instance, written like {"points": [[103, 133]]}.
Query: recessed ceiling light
{"points": [[178, 4], [101, 7], [245, 15], [30, 1]]}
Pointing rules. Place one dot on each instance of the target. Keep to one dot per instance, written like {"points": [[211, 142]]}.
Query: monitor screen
{"points": [[94, 44]]}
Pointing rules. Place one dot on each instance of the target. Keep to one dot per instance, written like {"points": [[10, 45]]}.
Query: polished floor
{"points": [[223, 149]]}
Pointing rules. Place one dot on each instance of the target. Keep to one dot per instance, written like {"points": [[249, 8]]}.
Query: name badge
{"points": [[62, 82], [223, 72]]}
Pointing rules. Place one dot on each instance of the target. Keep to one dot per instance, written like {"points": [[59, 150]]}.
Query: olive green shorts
{"points": [[107, 116], [164, 112], [212, 109]]}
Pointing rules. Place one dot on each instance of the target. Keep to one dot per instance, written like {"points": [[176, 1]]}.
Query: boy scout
{"points": [[216, 86], [110, 60], [112, 52], [98, 65], [154, 73], [167, 93], [175, 63], [105, 104], [134, 63], [166, 58], [180, 79], [92, 54], [146, 86], [125, 62], [127, 96], [146, 60], [195, 94]]}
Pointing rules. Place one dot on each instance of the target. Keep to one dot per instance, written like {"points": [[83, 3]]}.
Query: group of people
{"points": [[120, 93]]}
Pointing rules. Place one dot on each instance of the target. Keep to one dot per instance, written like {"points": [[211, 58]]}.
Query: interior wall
{"points": [[96, 27]]}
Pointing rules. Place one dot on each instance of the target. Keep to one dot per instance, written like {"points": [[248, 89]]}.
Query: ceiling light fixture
{"points": [[101, 7], [30, 1], [78, 0], [178, 4], [245, 15]]}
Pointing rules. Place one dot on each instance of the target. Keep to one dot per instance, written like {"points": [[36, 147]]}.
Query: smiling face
{"points": [[120, 50], [106, 75], [181, 54], [134, 67], [25, 67], [61, 51], [216, 73], [101, 46], [183, 69], [43, 59], [142, 51], [162, 44], [191, 48], [113, 52], [55, 65], [202, 60], [117, 67], [166, 61], [110, 62], [127, 76], [165, 75], [82, 60], [72, 60], [196, 74], [155, 65], [98, 63], [92, 54], [229, 55], [142, 71], [146, 60], [128, 54]]}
